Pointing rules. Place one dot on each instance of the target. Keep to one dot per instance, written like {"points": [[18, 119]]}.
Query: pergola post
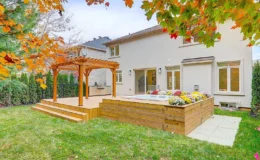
{"points": [[55, 75], [81, 70], [113, 82], [87, 72]]}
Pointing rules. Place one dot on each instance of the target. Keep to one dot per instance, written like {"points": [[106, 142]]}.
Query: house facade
{"points": [[150, 60], [94, 49]]}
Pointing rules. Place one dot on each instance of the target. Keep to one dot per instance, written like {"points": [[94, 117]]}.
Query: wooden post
{"points": [[114, 82], [81, 85], [87, 75], [55, 75]]}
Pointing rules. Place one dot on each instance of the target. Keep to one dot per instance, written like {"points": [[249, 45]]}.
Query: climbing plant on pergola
{"points": [[83, 66]]}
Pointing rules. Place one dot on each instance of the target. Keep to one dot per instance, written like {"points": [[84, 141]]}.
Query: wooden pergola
{"points": [[84, 66]]}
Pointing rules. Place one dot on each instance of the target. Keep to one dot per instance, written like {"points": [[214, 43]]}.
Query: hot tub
{"points": [[149, 97]]}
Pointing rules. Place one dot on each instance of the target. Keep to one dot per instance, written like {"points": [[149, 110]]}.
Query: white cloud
{"points": [[115, 21]]}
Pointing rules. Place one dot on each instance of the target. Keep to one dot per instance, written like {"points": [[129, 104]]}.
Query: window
{"points": [[173, 79], [177, 80], [119, 76], [114, 51], [229, 76], [169, 80], [195, 39]]}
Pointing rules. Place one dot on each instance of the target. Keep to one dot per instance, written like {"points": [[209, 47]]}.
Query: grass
{"points": [[27, 134]]}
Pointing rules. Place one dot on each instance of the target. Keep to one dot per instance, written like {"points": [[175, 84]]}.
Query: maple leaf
{"points": [[164, 30], [107, 4], [2, 9], [188, 39], [6, 29], [174, 35], [188, 32], [4, 71], [9, 59], [129, 3], [43, 86], [26, 1], [249, 45]]}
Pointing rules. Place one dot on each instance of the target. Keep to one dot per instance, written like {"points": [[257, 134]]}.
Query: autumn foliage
{"points": [[184, 18]]}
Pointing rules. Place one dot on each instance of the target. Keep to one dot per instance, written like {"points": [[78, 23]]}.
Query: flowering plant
{"points": [[177, 93], [176, 101], [149, 92], [184, 93], [162, 93], [193, 100], [186, 99], [206, 94], [169, 93], [155, 92]]}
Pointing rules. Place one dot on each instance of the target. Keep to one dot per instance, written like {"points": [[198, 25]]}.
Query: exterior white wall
{"points": [[97, 75], [200, 74], [158, 51]]}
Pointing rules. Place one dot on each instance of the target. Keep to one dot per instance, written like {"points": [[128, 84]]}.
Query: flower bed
{"points": [[180, 98]]}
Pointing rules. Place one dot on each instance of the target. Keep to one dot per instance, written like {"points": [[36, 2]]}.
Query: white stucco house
{"points": [[150, 59], [94, 49]]}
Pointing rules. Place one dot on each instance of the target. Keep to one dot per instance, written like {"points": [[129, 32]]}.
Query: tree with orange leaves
{"points": [[178, 17]]}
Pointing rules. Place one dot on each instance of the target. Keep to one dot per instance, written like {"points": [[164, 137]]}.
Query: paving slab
{"points": [[218, 129]]}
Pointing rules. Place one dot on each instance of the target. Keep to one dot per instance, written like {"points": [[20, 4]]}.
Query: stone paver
{"points": [[217, 129]]}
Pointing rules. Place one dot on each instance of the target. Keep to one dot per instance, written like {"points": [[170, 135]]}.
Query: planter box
{"points": [[160, 115]]}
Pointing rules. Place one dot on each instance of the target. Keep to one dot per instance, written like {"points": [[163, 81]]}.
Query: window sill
{"points": [[193, 44], [113, 57], [229, 94], [119, 83]]}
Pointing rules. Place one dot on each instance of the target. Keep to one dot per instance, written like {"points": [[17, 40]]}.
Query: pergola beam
{"points": [[82, 64]]}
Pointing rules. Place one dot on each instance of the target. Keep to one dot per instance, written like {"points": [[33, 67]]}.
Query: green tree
{"points": [[72, 85], [66, 85], [60, 85], [39, 90], [49, 83], [32, 89], [13, 11], [11, 92], [24, 78], [255, 104]]}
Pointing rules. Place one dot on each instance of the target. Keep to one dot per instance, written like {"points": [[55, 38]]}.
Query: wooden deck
{"points": [[67, 108], [157, 114]]}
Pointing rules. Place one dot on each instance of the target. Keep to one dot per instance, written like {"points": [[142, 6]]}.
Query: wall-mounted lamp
{"points": [[160, 70], [130, 72], [196, 87]]}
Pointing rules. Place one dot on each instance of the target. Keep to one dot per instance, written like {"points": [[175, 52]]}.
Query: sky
{"points": [[114, 21]]}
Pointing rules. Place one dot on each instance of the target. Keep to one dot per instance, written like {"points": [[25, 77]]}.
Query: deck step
{"points": [[70, 107], [68, 112], [63, 116]]}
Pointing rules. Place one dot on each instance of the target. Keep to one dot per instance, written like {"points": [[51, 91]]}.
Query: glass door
{"points": [[140, 82], [151, 80], [145, 80]]}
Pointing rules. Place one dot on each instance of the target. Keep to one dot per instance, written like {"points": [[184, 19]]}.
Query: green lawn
{"points": [[27, 134]]}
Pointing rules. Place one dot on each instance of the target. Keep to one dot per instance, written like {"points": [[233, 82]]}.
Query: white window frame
{"points": [[229, 79], [118, 75], [114, 47], [173, 78]]}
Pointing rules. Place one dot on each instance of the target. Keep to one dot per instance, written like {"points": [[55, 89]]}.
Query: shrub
{"points": [[66, 86], [32, 89], [255, 103], [175, 100], [12, 92], [72, 85], [49, 83]]}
